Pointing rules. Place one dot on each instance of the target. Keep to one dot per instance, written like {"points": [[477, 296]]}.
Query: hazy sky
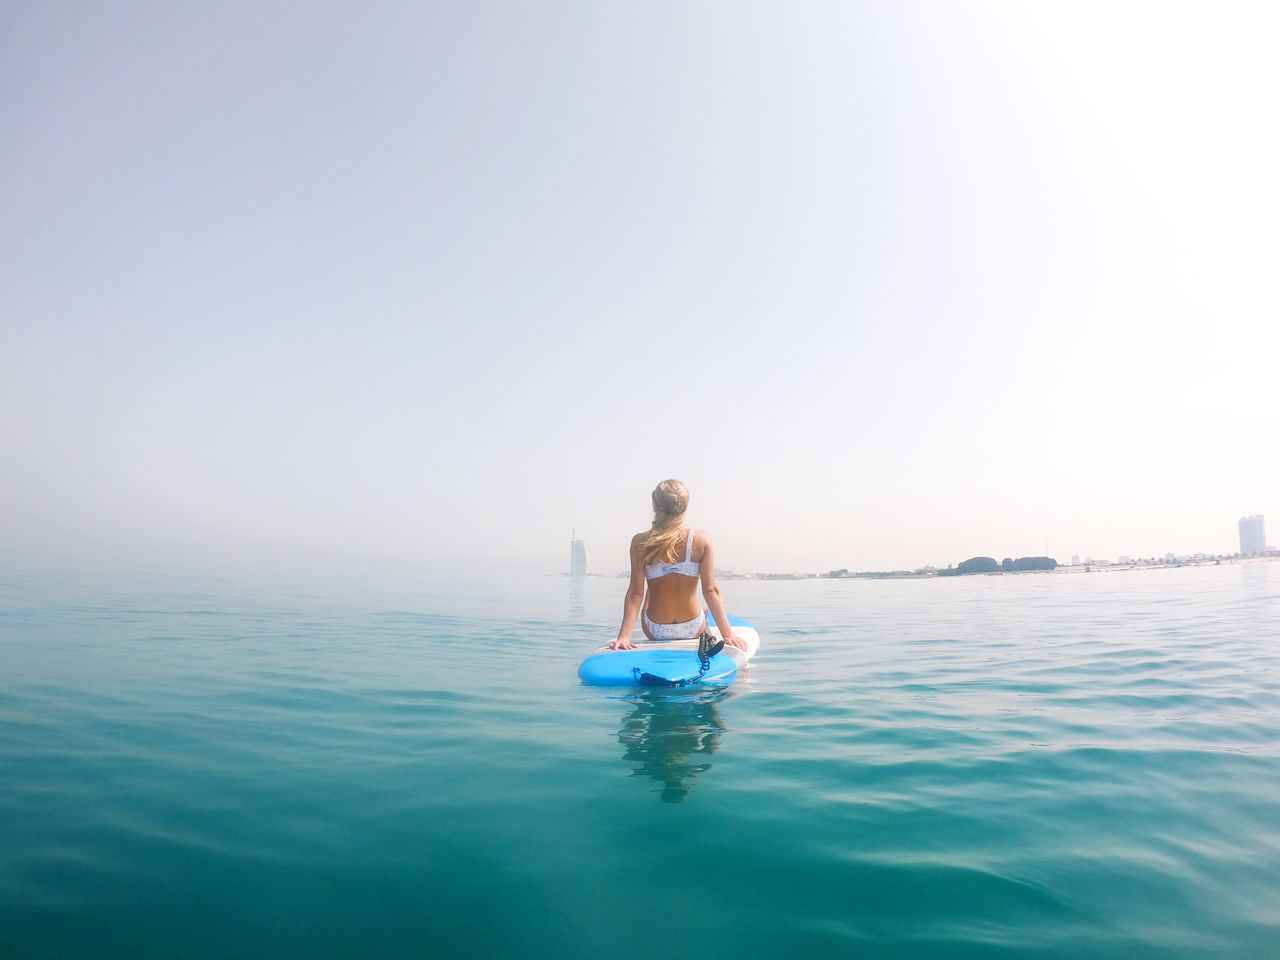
{"points": [[887, 284]]}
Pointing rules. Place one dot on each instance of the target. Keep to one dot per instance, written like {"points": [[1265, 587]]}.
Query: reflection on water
{"points": [[577, 598], [670, 736], [1253, 577]]}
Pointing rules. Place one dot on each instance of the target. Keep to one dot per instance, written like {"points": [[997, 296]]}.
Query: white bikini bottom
{"points": [[688, 630]]}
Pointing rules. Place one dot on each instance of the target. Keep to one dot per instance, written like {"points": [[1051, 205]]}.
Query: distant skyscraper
{"points": [[1253, 538], [577, 556]]}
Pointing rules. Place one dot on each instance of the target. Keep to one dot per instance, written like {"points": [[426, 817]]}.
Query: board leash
{"points": [[708, 647]]}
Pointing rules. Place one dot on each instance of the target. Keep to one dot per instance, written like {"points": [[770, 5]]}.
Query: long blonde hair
{"points": [[670, 501]]}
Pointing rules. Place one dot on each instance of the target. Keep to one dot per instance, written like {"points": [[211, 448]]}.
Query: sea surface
{"points": [[1060, 765]]}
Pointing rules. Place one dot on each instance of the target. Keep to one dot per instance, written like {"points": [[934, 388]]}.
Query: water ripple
{"points": [[1049, 767]]}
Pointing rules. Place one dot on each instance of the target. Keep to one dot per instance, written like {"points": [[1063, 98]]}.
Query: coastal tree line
{"points": [[991, 565], [972, 565]]}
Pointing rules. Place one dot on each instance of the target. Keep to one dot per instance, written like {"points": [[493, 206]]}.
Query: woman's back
{"points": [[672, 587], [687, 567]]}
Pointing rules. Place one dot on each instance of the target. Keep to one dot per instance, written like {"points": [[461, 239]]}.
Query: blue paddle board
{"points": [[673, 661]]}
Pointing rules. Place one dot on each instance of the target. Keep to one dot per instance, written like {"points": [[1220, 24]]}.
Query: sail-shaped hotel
{"points": [[577, 556]]}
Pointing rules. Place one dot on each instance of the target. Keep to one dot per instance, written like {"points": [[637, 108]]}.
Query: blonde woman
{"points": [[667, 562]]}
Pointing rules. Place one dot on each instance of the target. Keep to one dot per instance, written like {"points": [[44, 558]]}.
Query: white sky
{"points": [[887, 284]]}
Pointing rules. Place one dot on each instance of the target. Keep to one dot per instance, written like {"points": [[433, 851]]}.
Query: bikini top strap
{"points": [[688, 547]]}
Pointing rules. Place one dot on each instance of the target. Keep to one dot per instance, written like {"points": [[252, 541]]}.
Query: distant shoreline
{"points": [[1096, 567], [932, 574]]}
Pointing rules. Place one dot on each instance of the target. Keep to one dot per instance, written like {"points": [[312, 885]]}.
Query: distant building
{"points": [[1253, 538], [577, 556]]}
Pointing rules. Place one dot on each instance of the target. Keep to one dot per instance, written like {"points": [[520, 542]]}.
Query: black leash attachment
{"points": [[708, 646]]}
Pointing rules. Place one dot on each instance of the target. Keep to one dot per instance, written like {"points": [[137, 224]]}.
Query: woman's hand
{"points": [[624, 643], [733, 640]]}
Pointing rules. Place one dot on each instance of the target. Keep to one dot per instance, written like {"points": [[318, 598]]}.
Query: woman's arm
{"points": [[711, 593], [633, 600]]}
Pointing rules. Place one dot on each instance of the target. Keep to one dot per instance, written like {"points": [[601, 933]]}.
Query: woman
{"points": [[670, 559]]}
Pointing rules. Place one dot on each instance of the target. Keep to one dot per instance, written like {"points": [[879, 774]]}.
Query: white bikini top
{"points": [[689, 567]]}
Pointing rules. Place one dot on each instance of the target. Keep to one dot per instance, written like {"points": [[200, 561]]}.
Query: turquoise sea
{"points": [[1061, 765]]}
